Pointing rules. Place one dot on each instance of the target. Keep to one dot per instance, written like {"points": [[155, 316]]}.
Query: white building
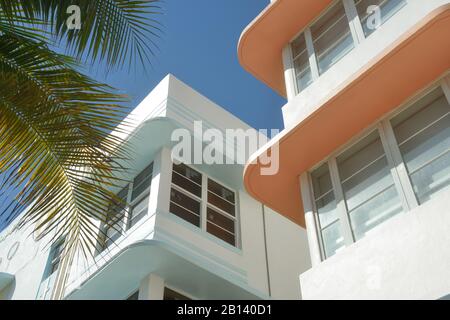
{"points": [[365, 156], [190, 231]]}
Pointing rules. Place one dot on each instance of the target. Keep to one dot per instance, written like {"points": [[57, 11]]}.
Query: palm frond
{"points": [[117, 31], [56, 146]]}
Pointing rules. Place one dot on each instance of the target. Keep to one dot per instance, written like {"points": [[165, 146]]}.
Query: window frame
{"points": [[204, 204], [356, 30], [124, 224], [397, 166]]}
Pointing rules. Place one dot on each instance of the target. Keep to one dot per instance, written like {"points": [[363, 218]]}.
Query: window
{"points": [[362, 186], [325, 204], [140, 196], [185, 196], [221, 212], [204, 203], [331, 37], [368, 186], [116, 216], [423, 136], [55, 258], [387, 8], [131, 207], [327, 40], [302, 68]]}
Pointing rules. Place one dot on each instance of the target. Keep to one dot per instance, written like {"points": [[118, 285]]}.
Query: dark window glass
{"points": [[185, 207], [142, 182]]}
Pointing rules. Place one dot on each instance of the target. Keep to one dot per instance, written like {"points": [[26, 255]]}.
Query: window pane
{"points": [[142, 182], [332, 239], [185, 207], [55, 257], [331, 36], [116, 210], [324, 196], [221, 197], [220, 220], [188, 179], [327, 210], [112, 236], [367, 184], [423, 135], [301, 63], [221, 191], [220, 233], [138, 211], [189, 173], [375, 211], [115, 219], [387, 9], [184, 214]]}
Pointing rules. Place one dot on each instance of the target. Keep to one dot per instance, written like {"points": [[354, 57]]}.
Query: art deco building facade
{"points": [[187, 231], [364, 157]]}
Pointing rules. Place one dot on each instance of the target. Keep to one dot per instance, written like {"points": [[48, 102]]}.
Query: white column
{"points": [[311, 226], [165, 179], [289, 73], [151, 288]]}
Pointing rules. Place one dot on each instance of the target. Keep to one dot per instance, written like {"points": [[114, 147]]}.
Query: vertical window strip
{"points": [[392, 152], [124, 215], [356, 19]]}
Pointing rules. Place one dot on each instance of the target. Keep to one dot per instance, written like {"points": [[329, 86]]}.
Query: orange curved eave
{"points": [[261, 44], [421, 56]]}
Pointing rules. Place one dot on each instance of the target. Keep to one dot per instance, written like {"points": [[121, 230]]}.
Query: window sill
{"points": [[202, 232]]}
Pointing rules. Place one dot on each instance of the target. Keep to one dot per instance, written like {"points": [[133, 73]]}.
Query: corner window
{"points": [[204, 203], [130, 207], [361, 187]]}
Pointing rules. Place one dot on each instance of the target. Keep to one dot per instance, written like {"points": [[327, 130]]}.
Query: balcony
{"points": [[182, 223]]}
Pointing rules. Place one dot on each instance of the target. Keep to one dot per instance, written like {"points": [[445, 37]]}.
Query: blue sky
{"points": [[199, 46]]}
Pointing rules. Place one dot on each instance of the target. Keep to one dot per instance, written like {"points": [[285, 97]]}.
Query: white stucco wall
{"points": [[170, 105], [287, 248], [407, 257], [27, 264]]}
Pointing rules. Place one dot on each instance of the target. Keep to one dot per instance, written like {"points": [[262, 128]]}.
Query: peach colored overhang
{"points": [[261, 44], [414, 61]]}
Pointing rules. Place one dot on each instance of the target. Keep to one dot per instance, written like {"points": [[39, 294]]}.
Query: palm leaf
{"points": [[117, 31], [56, 147]]}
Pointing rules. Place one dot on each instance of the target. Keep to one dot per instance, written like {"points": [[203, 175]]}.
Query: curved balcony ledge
{"points": [[415, 60], [114, 281], [261, 43]]}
